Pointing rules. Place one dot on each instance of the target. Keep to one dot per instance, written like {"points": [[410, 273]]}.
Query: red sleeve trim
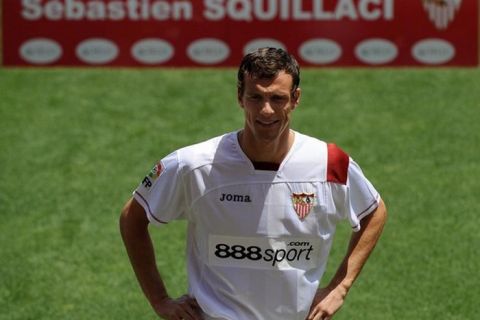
{"points": [[337, 165]]}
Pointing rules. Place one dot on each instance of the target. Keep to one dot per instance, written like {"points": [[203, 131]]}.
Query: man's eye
{"points": [[278, 98]]}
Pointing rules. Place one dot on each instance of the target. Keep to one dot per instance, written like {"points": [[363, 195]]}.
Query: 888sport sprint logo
{"points": [[263, 253]]}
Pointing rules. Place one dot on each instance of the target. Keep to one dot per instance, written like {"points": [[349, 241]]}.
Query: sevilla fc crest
{"points": [[303, 203], [442, 12]]}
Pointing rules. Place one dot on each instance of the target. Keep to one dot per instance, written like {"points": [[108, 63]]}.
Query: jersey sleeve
{"points": [[161, 192], [361, 197]]}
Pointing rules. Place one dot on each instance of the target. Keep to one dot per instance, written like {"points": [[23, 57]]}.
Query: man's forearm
{"points": [[361, 245], [135, 235], [140, 250]]}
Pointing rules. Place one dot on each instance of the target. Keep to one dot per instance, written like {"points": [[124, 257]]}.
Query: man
{"points": [[262, 205]]}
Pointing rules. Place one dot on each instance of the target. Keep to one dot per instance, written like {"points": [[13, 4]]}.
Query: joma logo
{"points": [[235, 197]]}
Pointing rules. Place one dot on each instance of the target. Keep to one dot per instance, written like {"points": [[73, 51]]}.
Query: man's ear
{"points": [[296, 97], [239, 98]]}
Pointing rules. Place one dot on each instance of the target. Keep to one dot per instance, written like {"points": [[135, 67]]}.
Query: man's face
{"points": [[267, 104]]}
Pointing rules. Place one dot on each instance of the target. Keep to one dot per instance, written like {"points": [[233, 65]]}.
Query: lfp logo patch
{"points": [[156, 172]]}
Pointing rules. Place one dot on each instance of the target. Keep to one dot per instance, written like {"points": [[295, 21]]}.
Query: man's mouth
{"points": [[267, 123]]}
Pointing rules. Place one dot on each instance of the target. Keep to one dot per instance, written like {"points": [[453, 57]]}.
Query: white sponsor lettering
{"points": [[433, 51], [97, 51], [376, 51], [265, 10], [298, 12], [107, 10], [215, 10], [346, 8], [152, 51], [31, 9], [208, 51], [262, 43], [238, 10], [264, 253], [40, 51], [74, 10], [320, 51], [370, 14], [53, 10]]}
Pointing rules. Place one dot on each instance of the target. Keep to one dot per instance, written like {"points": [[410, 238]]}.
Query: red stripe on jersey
{"points": [[337, 167]]}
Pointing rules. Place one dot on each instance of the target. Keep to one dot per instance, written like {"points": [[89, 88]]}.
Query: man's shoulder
{"points": [[207, 151], [338, 162], [328, 155], [309, 140], [309, 147]]}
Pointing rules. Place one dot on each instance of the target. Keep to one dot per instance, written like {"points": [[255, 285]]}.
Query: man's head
{"points": [[268, 92], [267, 63]]}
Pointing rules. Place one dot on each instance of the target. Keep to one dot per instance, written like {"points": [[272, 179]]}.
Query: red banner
{"points": [[218, 32]]}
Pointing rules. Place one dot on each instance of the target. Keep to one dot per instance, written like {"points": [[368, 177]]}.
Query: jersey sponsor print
{"points": [[263, 253]]}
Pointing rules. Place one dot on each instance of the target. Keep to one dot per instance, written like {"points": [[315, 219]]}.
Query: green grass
{"points": [[75, 143]]}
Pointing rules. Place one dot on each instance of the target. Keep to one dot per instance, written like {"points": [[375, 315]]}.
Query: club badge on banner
{"points": [[196, 33]]}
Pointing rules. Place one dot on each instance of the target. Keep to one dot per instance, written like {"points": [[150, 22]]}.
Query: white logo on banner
{"points": [[152, 51], [442, 12], [97, 51], [433, 51], [40, 51], [262, 43], [320, 51], [208, 51], [376, 51]]}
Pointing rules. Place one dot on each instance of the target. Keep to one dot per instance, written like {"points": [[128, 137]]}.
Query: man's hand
{"points": [[326, 303], [134, 230], [329, 300], [183, 308]]}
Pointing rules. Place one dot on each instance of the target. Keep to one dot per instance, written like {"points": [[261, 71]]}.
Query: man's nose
{"points": [[267, 109]]}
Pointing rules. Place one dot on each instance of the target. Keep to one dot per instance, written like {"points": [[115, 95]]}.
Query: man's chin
{"points": [[267, 137]]}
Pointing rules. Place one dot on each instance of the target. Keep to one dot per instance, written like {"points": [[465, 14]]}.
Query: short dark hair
{"points": [[267, 63]]}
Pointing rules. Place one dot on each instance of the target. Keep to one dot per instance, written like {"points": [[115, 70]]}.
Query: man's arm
{"points": [[135, 235], [328, 300]]}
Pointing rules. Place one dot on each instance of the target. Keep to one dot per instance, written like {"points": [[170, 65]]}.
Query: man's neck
{"points": [[273, 151]]}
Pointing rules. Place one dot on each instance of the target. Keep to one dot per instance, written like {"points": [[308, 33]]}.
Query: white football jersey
{"points": [[258, 241]]}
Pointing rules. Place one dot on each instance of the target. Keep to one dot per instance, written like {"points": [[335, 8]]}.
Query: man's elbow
{"points": [[383, 209], [123, 219], [132, 217], [380, 215]]}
